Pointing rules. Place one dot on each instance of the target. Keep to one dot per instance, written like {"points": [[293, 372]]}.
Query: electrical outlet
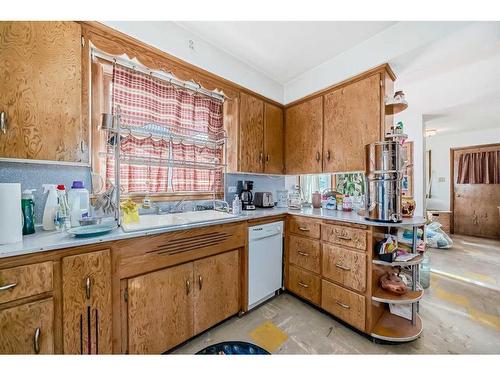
{"points": [[231, 189], [442, 179]]}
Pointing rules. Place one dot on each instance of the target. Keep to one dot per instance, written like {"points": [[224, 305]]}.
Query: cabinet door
{"points": [[217, 289], [273, 139], [160, 309], [87, 303], [28, 329], [352, 120], [40, 81], [251, 138], [303, 137]]}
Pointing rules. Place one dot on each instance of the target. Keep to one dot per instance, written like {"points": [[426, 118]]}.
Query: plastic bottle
{"points": [[62, 218], [236, 205], [49, 212], [78, 199], [28, 209]]}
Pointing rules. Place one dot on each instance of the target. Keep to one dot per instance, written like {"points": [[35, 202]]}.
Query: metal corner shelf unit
{"points": [[393, 328], [112, 124]]}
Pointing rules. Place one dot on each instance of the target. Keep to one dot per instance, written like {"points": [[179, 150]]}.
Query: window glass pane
{"points": [[315, 182]]}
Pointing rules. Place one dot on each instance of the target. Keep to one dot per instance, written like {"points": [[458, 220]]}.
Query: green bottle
{"points": [[28, 209]]}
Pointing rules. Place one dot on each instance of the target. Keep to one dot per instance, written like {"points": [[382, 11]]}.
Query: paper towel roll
{"points": [[11, 222]]}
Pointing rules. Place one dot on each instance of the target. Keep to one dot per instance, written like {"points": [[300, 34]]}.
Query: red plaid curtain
{"points": [[144, 100]]}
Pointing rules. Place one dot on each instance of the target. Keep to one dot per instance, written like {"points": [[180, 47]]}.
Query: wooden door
{"points": [[160, 309], [273, 139], [40, 81], [351, 120], [87, 303], [217, 289], [251, 139], [303, 137], [476, 207], [28, 328]]}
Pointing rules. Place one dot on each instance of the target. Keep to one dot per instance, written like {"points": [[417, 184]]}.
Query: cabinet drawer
{"points": [[304, 253], [305, 227], [344, 304], [25, 281], [347, 236], [304, 284], [345, 267], [28, 329]]}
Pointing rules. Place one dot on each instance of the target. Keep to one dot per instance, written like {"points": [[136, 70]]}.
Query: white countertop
{"points": [[44, 241]]}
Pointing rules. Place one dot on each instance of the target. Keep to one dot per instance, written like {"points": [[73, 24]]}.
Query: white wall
{"points": [[440, 160], [173, 39]]}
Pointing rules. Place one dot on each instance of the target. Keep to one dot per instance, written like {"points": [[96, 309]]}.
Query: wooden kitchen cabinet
{"points": [[273, 139], [352, 119], [251, 137], [216, 290], [304, 137], [41, 85], [86, 289], [160, 309], [28, 328]]}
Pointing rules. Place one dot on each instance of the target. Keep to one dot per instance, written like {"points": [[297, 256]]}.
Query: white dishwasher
{"points": [[265, 262]]}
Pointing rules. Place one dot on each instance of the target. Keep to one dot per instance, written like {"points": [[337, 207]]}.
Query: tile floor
{"points": [[458, 317]]}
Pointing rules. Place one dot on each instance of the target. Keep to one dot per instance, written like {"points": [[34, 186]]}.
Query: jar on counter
{"points": [[316, 199], [347, 203], [340, 200]]}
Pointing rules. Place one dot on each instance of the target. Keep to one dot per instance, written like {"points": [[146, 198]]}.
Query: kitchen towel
{"points": [[11, 224]]}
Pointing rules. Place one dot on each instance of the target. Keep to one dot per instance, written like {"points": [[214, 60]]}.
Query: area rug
{"points": [[233, 347]]}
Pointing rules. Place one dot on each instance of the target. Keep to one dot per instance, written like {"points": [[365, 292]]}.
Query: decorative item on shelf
{"points": [[386, 249], [393, 283], [130, 211], [407, 206], [396, 104]]}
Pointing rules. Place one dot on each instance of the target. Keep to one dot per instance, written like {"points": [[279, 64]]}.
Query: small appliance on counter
{"points": [[244, 191], [264, 200]]}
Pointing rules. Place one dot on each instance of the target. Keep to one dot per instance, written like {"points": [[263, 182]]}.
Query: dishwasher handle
{"points": [[275, 233]]}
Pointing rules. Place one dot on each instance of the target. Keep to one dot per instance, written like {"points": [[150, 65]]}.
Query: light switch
{"points": [[442, 179]]}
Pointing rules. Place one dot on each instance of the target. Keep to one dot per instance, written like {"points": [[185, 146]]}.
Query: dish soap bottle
{"points": [[49, 212], [62, 218], [28, 209]]}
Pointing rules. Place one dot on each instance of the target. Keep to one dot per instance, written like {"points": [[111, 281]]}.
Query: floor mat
{"points": [[268, 336]]}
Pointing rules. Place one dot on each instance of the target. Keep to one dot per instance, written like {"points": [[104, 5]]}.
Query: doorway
{"points": [[475, 204]]}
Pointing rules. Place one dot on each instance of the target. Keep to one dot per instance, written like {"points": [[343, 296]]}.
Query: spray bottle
{"points": [[28, 209]]}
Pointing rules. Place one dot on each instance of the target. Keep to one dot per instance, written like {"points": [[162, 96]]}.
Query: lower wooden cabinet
{"points": [[304, 284], [169, 306], [87, 312], [28, 328], [346, 267], [344, 304]]}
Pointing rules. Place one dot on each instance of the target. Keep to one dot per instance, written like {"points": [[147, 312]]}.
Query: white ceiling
{"points": [[283, 50]]}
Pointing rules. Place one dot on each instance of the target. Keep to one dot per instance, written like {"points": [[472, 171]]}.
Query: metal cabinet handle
{"points": [[36, 340], [3, 122], [344, 306], [328, 155], [342, 237], [302, 253], [188, 287], [88, 285], [318, 156], [304, 229], [261, 157], [200, 282], [338, 265], [303, 285], [7, 286], [267, 159]]}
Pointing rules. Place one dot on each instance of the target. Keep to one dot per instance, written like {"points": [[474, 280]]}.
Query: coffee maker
{"points": [[244, 191]]}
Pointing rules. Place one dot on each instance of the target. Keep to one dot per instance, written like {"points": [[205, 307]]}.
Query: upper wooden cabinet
{"points": [[304, 137], [260, 136], [352, 119], [251, 134], [41, 85], [273, 139]]}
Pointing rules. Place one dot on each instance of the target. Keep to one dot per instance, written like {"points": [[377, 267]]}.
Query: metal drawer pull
{"points": [[88, 284], [303, 229], [328, 155], [344, 237], [342, 267], [3, 122], [303, 285], [344, 306], [200, 281], [302, 253], [188, 287], [36, 340], [318, 156], [7, 286]]}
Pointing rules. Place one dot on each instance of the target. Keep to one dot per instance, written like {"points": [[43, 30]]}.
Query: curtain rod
{"points": [[192, 86]]}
